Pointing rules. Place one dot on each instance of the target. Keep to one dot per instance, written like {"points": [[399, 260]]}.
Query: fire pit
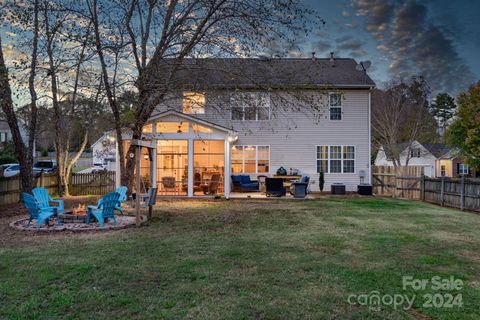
{"points": [[76, 215]]}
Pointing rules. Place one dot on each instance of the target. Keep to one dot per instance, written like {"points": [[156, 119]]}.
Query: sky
{"points": [[438, 39]]}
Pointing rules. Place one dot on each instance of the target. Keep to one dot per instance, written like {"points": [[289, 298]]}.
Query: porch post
{"points": [[153, 166], [117, 167], [227, 169], [190, 167]]}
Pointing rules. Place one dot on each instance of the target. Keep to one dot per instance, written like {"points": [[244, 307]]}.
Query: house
{"points": [[6, 134], [253, 116], [104, 151], [437, 159]]}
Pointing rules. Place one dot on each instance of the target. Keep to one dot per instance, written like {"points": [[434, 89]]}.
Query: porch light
{"points": [[145, 156], [232, 138]]}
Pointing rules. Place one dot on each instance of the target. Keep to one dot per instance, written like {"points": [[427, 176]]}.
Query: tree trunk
{"points": [[6, 103]]}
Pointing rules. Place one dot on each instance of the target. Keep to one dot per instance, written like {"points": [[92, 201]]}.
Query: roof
{"points": [[437, 149], [264, 73]]}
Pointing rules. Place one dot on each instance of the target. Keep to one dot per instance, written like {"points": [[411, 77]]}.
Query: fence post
{"points": [[442, 192], [462, 193], [422, 188]]}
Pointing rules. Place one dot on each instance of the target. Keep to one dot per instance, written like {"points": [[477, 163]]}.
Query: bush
{"points": [[7, 153]]}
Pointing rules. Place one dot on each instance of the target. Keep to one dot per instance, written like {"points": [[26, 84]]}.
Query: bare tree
{"points": [[158, 31], [400, 116], [24, 152]]}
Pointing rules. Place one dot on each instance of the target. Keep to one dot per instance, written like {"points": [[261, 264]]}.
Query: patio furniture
{"points": [[122, 191], [44, 199], [288, 179], [146, 199], [299, 188], [338, 188], [41, 214], [109, 204], [275, 187], [261, 183], [243, 183], [212, 187], [168, 183]]}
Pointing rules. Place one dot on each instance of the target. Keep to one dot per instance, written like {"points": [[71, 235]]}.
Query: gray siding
{"points": [[294, 131]]}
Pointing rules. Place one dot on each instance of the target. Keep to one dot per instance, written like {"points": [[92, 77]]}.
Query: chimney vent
{"points": [[332, 59], [313, 56]]}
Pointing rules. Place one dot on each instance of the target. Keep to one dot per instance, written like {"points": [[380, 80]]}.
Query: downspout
{"points": [[370, 135]]}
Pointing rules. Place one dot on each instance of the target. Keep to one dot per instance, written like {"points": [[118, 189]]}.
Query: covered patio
{"points": [[189, 156]]}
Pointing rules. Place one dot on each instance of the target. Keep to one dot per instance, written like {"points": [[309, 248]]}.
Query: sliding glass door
{"points": [[172, 167]]}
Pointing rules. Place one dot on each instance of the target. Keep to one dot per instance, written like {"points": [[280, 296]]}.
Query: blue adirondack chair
{"points": [[106, 209], [122, 191], [42, 215], [43, 199]]}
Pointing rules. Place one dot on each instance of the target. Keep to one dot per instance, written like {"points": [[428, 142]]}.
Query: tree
{"points": [[443, 109], [23, 152], [464, 132], [153, 32], [400, 114]]}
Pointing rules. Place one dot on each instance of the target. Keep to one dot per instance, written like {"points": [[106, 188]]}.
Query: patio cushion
{"points": [[252, 185], [236, 179], [245, 179]]}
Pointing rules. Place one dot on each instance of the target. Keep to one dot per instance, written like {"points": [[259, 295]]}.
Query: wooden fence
{"points": [[92, 183], [80, 184], [410, 183], [401, 182], [10, 187]]}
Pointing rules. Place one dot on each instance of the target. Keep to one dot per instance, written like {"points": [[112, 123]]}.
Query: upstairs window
{"points": [[193, 103], [335, 104], [250, 106], [415, 153]]}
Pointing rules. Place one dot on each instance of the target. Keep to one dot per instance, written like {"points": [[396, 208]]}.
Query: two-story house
{"points": [[253, 116]]}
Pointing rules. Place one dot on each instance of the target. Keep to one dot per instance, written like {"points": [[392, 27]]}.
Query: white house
{"points": [[253, 116], [437, 159], [104, 151]]}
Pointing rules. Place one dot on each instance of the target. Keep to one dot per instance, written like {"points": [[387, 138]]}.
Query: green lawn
{"points": [[247, 259]]}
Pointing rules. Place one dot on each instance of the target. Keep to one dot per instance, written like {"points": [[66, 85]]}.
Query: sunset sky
{"points": [[438, 39]]}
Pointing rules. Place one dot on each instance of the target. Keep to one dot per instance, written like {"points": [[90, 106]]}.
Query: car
{"points": [[46, 166], [10, 169], [97, 167]]}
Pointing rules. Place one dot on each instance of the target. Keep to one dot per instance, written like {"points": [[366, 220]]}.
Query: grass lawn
{"points": [[247, 259]]}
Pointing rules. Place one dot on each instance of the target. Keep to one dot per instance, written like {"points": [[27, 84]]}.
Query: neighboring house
{"points": [[6, 134], [437, 159], [103, 151], [253, 116]]}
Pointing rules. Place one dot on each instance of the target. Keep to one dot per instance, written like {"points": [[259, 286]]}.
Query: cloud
{"points": [[414, 44]]}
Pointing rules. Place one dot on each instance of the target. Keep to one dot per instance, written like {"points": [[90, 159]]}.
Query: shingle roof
{"points": [[437, 149], [265, 73]]}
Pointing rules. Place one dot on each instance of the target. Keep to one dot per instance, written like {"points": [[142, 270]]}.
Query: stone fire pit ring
{"points": [[22, 224]]}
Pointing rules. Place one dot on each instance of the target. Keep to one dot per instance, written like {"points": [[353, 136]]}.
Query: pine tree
{"points": [[443, 109]]}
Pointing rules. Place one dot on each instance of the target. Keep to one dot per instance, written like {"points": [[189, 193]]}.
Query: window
{"points": [[336, 159], [193, 103], [415, 153], [463, 169], [250, 106], [250, 159], [3, 136], [335, 104], [443, 170], [172, 127]]}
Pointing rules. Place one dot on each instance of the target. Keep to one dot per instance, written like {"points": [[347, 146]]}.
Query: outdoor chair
{"points": [[168, 183], [299, 189], [212, 187], [44, 199], [243, 183], [275, 187], [122, 191], [41, 214], [106, 210]]}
